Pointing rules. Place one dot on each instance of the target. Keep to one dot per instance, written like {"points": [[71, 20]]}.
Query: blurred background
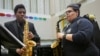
{"points": [[48, 13]]}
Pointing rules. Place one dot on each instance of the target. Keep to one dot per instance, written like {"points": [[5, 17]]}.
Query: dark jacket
{"points": [[18, 32], [82, 45]]}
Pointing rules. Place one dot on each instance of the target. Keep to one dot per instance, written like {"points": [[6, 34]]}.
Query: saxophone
{"points": [[56, 45], [29, 43]]}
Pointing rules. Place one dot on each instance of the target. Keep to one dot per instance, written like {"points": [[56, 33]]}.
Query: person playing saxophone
{"points": [[17, 28], [77, 36]]}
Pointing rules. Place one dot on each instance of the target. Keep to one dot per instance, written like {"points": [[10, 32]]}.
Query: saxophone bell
{"points": [[55, 44]]}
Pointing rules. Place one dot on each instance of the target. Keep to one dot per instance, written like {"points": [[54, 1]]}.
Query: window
{"points": [[6, 4], [39, 6]]}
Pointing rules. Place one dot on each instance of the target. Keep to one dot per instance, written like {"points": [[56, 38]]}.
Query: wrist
{"points": [[68, 37], [64, 36]]}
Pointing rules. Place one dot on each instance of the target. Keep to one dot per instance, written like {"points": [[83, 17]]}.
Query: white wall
{"points": [[43, 27], [93, 8], [25, 2]]}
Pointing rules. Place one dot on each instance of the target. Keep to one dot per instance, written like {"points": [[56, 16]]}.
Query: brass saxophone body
{"points": [[56, 45], [29, 43], [56, 42]]}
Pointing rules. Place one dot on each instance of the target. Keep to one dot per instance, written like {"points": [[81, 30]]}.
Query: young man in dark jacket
{"points": [[17, 28]]}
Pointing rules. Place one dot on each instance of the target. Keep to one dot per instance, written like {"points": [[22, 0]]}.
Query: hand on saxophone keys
{"points": [[60, 35], [66, 36], [20, 51], [31, 35]]}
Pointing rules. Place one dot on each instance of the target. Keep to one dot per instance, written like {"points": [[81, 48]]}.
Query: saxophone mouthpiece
{"points": [[65, 17]]}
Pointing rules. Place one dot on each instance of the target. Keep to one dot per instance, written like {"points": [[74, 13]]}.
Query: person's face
{"points": [[20, 14], [71, 14]]}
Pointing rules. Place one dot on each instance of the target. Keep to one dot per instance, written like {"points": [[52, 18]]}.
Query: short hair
{"points": [[76, 7], [19, 6]]}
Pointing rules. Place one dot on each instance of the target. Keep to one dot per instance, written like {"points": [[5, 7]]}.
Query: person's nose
{"points": [[22, 14]]}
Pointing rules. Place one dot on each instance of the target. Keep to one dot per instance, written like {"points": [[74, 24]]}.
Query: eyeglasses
{"points": [[69, 11]]}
